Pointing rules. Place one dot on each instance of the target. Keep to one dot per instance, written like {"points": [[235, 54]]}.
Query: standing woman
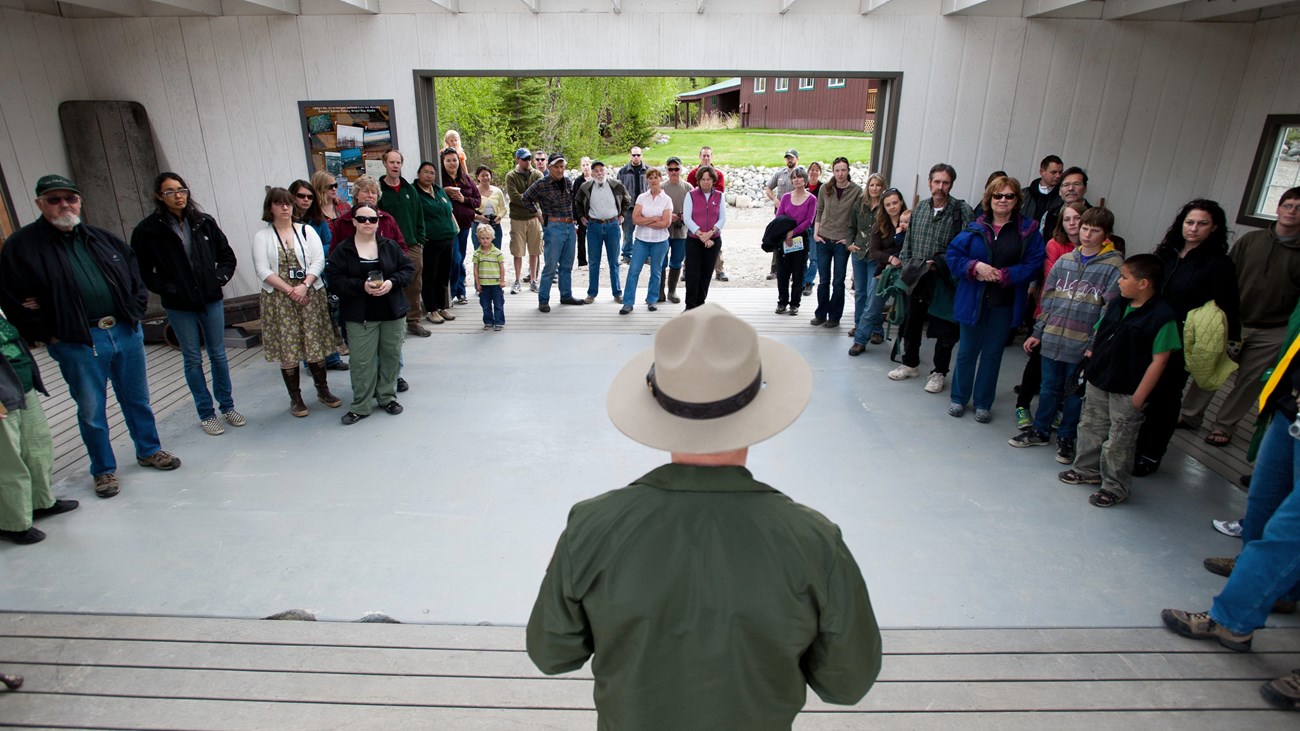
{"points": [[185, 259], [886, 241], [652, 215], [492, 204], [289, 260], [1197, 270], [440, 229], [800, 205], [994, 261], [370, 273], [810, 263], [465, 200], [327, 195], [306, 209], [861, 223], [835, 206], [705, 213]]}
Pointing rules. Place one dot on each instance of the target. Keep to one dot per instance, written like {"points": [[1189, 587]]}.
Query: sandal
{"points": [[1218, 438], [1104, 499]]}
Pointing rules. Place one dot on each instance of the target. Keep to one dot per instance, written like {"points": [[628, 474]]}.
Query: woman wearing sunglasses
{"points": [[327, 195], [370, 273], [994, 261]]}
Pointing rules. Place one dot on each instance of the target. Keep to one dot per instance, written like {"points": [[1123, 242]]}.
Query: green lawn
{"points": [[765, 147]]}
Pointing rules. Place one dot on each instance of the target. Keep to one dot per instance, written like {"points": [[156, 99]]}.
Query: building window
{"points": [[1276, 169], [805, 83], [760, 85], [783, 84], [835, 83]]}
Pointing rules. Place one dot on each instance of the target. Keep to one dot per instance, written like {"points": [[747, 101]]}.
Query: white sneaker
{"points": [[516, 287], [1231, 528], [934, 384], [903, 372]]}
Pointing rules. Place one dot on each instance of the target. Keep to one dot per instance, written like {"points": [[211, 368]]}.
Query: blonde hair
{"points": [[320, 182], [884, 186], [365, 182]]}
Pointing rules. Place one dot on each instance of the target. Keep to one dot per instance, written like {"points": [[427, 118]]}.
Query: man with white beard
{"points": [[77, 288]]}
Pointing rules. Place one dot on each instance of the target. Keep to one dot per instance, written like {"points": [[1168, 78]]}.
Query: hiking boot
{"points": [[417, 329], [1229, 528], [106, 485], [446, 315], [934, 384], [1283, 692], [1199, 626], [212, 427], [857, 349], [160, 460], [435, 318], [1024, 419], [588, 299], [320, 378], [1030, 437], [903, 373], [1065, 450], [1220, 566], [1074, 477]]}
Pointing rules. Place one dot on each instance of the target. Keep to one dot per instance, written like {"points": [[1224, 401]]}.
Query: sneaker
{"points": [[435, 318], [722, 277], [956, 410], [618, 299], [807, 290], [1023, 419], [59, 507], [625, 309], [934, 384], [337, 365], [1030, 438], [983, 416], [417, 330], [794, 311], [588, 299], [106, 485], [780, 309], [498, 328], [212, 426], [817, 321], [516, 288], [1072, 477], [532, 286], [160, 460], [903, 373], [402, 385], [651, 307], [831, 324], [1230, 528], [1199, 626], [1220, 566], [446, 315], [462, 300], [625, 260], [1056, 421], [487, 327], [1283, 692], [528, 278], [1065, 450], [771, 276]]}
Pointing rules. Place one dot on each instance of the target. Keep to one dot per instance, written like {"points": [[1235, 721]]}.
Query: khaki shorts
{"points": [[526, 237]]}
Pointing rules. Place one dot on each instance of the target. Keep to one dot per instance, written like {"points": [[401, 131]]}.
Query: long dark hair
{"points": [[1173, 242], [313, 215], [191, 210], [884, 225], [460, 177]]}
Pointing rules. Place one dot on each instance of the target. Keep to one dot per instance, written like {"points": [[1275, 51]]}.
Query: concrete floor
{"points": [[449, 512]]}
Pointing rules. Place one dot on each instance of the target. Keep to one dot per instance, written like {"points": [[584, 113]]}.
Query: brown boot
{"points": [[318, 375], [673, 276], [291, 382]]}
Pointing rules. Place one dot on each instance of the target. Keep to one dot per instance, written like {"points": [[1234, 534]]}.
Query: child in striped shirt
{"points": [[488, 271]]}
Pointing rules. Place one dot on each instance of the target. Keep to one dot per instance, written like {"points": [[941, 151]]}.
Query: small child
{"points": [[1075, 292], [1129, 351], [489, 269]]}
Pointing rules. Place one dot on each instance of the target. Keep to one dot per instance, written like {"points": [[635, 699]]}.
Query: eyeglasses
{"points": [[1075, 184], [57, 200], [333, 186], [674, 170], [304, 196], [636, 154], [1289, 207], [1003, 196], [176, 192], [366, 219]]}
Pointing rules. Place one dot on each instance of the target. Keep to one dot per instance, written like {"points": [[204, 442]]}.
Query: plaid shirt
{"points": [[928, 235], [554, 197]]}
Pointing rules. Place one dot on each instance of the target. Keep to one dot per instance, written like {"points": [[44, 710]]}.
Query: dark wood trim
{"points": [[1255, 183]]}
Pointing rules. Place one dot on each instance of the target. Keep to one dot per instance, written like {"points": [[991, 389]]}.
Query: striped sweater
{"points": [[1074, 295]]}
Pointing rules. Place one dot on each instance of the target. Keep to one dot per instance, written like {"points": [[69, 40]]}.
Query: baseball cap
{"points": [[523, 154], [792, 153], [594, 163], [557, 157], [672, 160], [54, 182]]}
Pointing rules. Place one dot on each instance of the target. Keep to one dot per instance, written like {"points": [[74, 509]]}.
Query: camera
{"points": [[297, 273], [491, 217]]}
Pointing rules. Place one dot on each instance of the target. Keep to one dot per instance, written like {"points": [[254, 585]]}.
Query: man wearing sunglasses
{"points": [[632, 176], [77, 289]]}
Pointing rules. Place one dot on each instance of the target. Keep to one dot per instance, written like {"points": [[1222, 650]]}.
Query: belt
{"points": [[105, 323], [554, 219], [604, 220]]}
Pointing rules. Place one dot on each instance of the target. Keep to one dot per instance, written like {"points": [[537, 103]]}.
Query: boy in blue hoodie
{"points": [[1075, 291]]}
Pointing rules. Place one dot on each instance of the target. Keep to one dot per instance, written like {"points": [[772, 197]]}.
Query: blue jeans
{"points": [[830, 300], [458, 263], [810, 267], [492, 298], [676, 253], [1268, 567], [629, 236], [979, 357], [603, 238], [117, 356], [558, 242], [496, 234], [868, 307], [208, 326], [656, 252], [1056, 376]]}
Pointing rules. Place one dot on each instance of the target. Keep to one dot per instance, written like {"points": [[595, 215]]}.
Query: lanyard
{"points": [[302, 249]]}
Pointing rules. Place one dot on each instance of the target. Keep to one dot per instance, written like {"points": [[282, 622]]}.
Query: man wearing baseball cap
{"points": [[76, 288], [707, 599], [525, 219], [554, 196]]}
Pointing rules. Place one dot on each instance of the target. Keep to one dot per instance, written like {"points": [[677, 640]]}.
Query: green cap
{"points": [[54, 182]]}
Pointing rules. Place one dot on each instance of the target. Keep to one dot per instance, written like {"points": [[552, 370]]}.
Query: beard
{"points": [[66, 222]]}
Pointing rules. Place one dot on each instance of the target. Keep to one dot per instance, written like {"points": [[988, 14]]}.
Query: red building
{"points": [[784, 102]]}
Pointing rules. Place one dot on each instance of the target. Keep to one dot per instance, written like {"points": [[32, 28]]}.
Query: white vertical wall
{"points": [[1157, 112]]}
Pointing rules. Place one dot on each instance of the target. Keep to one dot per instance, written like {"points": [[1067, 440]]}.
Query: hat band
{"points": [[707, 410]]}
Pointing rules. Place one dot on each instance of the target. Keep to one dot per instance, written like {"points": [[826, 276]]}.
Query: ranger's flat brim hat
{"points": [[710, 384]]}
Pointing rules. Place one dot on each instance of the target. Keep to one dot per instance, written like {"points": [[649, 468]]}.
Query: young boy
{"points": [[488, 272], [1075, 292], [1129, 351]]}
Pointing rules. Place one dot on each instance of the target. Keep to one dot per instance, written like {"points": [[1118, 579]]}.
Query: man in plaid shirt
{"points": [[936, 221], [554, 195]]}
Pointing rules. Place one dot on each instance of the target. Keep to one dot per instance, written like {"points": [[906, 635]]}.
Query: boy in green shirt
{"points": [[489, 266]]}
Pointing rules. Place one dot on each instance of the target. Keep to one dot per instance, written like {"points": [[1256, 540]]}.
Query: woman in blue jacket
{"points": [[994, 260]]}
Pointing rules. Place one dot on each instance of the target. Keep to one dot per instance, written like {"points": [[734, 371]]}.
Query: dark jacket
{"points": [[774, 235], [343, 228], [439, 221], [11, 389], [403, 204], [1121, 350], [633, 178], [1038, 204], [974, 245], [466, 210], [883, 247], [35, 263], [1197, 278], [189, 285], [582, 198], [347, 278]]}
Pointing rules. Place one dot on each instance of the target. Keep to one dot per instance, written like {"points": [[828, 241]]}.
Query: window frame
{"points": [[1270, 139], [760, 84], [812, 83], [782, 84], [836, 83]]}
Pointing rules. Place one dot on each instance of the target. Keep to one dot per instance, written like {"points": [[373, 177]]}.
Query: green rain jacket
{"points": [[708, 600]]}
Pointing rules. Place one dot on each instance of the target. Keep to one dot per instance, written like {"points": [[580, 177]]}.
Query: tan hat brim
{"points": [[787, 386]]}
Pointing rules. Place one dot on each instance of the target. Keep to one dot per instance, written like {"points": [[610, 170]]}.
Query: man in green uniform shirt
{"points": [[708, 599]]}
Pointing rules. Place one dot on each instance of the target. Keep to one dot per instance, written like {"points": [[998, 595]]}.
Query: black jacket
{"points": [[347, 278], [1037, 203], [1197, 278], [1121, 351], [35, 263], [183, 285], [11, 390], [775, 233]]}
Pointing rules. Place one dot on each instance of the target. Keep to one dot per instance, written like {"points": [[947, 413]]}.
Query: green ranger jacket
{"points": [[708, 600], [403, 204]]}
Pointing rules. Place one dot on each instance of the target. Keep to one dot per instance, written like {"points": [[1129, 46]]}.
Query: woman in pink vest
{"points": [[705, 213]]}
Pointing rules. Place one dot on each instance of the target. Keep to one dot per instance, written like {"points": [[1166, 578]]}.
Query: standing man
{"points": [[936, 221], [554, 197], [741, 598], [601, 205], [583, 177], [632, 176], [1043, 195], [677, 190], [399, 199], [76, 288], [539, 162], [525, 219], [706, 160], [1074, 187], [778, 186]]}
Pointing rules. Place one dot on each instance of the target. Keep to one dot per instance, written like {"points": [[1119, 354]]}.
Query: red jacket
{"points": [[719, 183], [342, 227]]}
